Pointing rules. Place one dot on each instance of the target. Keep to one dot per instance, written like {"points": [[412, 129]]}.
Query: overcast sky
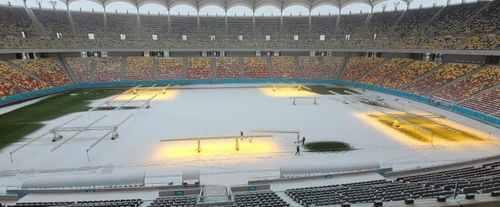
{"points": [[238, 11]]}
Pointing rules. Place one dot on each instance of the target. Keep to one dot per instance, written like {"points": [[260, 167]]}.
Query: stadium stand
{"points": [[20, 79], [408, 74], [82, 69], [358, 66], [478, 42], [350, 24], [150, 25], [485, 78], [139, 68], [211, 26], [46, 69], [239, 26], [410, 26], [382, 23], [108, 69], [255, 67], [182, 25], [464, 26], [283, 67], [295, 26], [258, 198], [248, 199], [86, 22], [54, 21], [199, 68], [468, 173], [332, 66], [485, 20], [14, 26], [488, 102], [363, 192], [170, 69], [174, 201], [121, 24], [476, 179], [228, 67], [387, 68], [310, 67], [440, 77], [267, 26], [121, 202], [7, 89], [450, 19]]}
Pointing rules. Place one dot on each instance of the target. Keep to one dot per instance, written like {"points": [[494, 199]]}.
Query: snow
{"points": [[227, 111]]}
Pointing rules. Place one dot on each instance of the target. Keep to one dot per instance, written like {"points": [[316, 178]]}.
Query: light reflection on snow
{"points": [[214, 149], [143, 95], [286, 91], [412, 142]]}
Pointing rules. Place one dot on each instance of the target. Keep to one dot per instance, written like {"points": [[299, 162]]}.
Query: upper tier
{"points": [[463, 27]]}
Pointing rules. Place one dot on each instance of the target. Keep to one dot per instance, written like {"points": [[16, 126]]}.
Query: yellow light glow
{"points": [[286, 91], [144, 94], [452, 136], [213, 149]]}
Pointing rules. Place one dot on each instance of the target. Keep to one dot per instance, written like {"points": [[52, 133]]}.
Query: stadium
{"points": [[313, 104]]}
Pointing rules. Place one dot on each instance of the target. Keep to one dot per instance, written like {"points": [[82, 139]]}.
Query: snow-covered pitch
{"points": [[212, 110]]}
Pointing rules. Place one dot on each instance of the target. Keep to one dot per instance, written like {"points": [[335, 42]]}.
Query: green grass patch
{"points": [[325, 90], [328, 146], [17, 124]]}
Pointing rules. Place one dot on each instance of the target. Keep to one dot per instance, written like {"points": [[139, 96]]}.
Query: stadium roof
{"points": [[252, 4]]}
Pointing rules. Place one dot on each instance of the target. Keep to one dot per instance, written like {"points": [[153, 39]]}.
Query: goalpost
{"points": [[313, 99]]}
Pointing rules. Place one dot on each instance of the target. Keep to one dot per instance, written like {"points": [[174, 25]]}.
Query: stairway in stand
{"points": [[214, 195]]}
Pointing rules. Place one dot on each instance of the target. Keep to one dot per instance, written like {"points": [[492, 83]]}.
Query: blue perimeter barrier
{"points": [[437, 103]]}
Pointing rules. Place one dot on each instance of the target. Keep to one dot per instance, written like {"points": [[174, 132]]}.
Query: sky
{"points": [[155, 9]]}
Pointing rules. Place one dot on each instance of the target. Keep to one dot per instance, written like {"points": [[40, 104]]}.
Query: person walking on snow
{"points": [[298, 150]]}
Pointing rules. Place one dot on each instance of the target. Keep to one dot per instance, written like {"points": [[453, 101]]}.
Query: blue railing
{"points": [[437, 103]]}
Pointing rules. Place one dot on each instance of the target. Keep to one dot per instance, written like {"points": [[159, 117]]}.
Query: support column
{"points": [[237, 145], [199, 146]]}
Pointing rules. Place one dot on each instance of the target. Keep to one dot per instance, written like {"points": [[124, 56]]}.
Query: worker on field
{"points": [[303, 140], [241, 135], [298, 150]]}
